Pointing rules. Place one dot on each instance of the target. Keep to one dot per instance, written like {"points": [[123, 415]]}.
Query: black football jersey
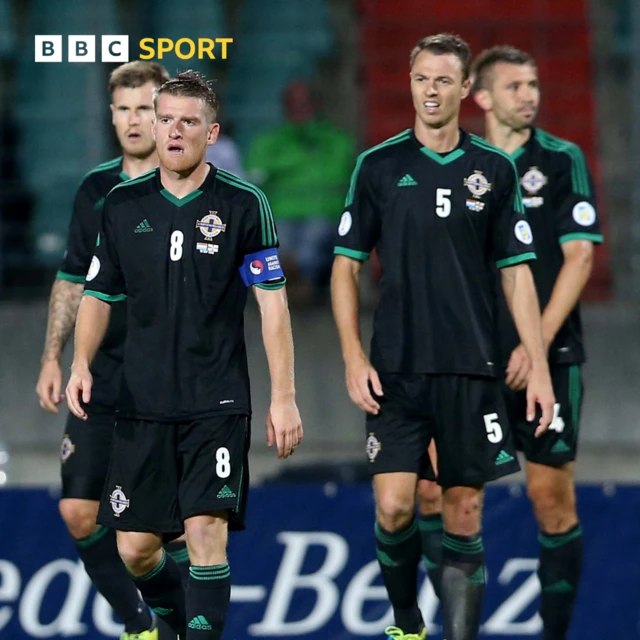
{"points": [[558, 196], [183, 266], [83, 231], [439, 223]]}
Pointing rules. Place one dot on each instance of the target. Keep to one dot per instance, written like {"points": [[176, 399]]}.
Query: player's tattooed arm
{"points": [[63, 308]]}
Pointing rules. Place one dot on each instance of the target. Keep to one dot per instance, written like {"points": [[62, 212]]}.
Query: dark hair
{"points": [[191, 84], [442, 44], [487, 59], [132, 75]]}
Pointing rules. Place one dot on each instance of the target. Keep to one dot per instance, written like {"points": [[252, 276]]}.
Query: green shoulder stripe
{"points": [[579, 170], [483, 144], [141, 178], [400, 137], [105, 166], [269, 236]]}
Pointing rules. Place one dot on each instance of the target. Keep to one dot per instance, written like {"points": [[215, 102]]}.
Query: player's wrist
{"points": [[539, 366], [283, 396], [354, 355], [80, 366]]}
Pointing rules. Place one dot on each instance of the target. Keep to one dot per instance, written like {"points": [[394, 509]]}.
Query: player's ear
{"points": [[466, 87], [212, 134], [113, 114], [482, 98]]}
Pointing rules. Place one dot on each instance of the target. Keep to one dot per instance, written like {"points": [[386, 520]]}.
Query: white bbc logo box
{"points": [[82, 48]]}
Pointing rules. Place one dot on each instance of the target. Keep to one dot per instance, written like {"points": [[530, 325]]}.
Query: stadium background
{"points": [[313, 515]]}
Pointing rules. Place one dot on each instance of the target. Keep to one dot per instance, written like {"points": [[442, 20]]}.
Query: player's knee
{"points": [[462, 510], [429, 496], [554, 505], [139, 553], [394, 512], [80, 517], [207, 539]]}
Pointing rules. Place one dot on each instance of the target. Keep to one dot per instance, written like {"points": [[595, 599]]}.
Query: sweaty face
{"points": [[437, 88], [182, 132], [132, 117], [515, 94]]}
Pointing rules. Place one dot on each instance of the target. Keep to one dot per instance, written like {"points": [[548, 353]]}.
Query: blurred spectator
{"points": [[225, 153], [304, 166]]}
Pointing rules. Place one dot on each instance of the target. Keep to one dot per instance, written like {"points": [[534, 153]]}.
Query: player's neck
{"points": [[182, 184], [504, 137], [440, 140], [135, 167]]}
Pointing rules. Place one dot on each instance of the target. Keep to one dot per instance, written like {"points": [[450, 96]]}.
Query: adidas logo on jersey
{"points": [[143, 227], [503, 457], [560, 447], [225, 492], [407, 181], [200, 623]]}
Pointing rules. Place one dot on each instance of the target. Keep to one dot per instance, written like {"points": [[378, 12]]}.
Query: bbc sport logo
{"points": [[116, 48]]}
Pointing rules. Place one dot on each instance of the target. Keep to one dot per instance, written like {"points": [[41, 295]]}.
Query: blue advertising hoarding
{"points": [[305, 568]]}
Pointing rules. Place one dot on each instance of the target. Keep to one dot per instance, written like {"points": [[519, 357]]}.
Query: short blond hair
{"points": [[190, 84], [137, 73]]}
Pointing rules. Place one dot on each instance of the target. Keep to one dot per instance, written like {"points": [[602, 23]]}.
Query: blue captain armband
{"points": [[262, 267]]}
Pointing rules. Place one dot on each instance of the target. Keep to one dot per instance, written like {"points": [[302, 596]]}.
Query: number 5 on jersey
{"points": [[443, 202]]}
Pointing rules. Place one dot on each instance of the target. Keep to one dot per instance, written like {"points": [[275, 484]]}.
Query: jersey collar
{"points": [[520, 150], [122, 175], [443, 158], [180, 202]]}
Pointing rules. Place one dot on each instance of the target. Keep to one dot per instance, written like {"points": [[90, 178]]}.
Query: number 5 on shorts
{"points": [[494, 430], [223, 462]]}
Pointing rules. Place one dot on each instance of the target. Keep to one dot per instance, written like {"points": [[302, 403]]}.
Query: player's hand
{"points": [[540, 391], [518, 369], [79, 390], [284, 427], [49, 385], [359, 374]]}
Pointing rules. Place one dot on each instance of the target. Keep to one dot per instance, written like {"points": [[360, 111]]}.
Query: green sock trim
{"points": [[430, 523], [477, 577], [385, 559], [93, 538], [154, 572], [399, 538], [561, 586], [555, 541], [475, 546], [214, 572], [180, 556], [428, 563]]}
